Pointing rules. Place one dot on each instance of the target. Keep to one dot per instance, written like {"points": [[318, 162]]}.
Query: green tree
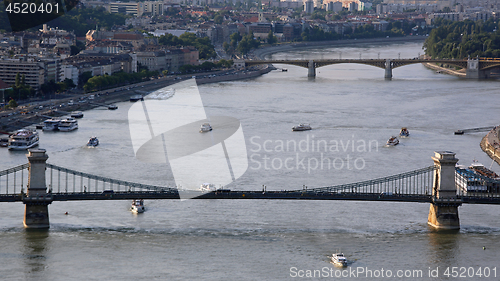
{"points": [[12, 104], [271, 39]]}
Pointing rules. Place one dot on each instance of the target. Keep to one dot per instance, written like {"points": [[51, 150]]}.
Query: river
{"points": [[352, 108]]}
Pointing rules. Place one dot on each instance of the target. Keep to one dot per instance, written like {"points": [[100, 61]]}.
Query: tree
{"points": [[17, 82], [271, 39], [12, 104]]}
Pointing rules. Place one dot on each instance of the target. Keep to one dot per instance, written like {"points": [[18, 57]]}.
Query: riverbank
{"points": [[491, 144], [59, 107], [261, 53], [440, 69]]}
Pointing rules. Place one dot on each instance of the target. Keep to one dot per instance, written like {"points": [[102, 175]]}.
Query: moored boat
{"points": [[51, 124], [393, 141], [205, 127], [404, 132], [76, 114], [338, 259], [93, 141], [476, 178], [135, 98], [301, 127], [68, 124], [23, 139], [137, 206]]}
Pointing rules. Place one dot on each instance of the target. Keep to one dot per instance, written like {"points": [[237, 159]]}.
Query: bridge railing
{"points": [[417, 182], [473, 185], [14, 180]]}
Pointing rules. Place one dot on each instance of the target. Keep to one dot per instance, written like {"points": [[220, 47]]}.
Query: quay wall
{"points": [[491, 144]]}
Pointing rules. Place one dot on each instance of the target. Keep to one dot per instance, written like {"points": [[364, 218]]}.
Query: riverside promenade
{"points": [[491, 144]]}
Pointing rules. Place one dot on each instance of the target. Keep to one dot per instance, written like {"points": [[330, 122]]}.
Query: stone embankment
{"points": [[491, 144], [459, 73]]}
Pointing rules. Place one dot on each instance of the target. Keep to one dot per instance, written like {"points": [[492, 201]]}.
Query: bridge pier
{"points": [[36, 214], [388, 69], [443, 212], [311, 69], [473, 71]]}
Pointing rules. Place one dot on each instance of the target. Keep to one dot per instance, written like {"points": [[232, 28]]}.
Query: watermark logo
{"points": [[165, 128]]}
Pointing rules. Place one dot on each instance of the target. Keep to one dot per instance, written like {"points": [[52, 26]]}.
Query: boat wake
{"points": [[161, 94]]}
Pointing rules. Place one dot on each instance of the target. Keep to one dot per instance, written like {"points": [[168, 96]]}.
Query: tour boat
{"points": [[476, 178], [23, 139], [76, 114], [137, 206], [68, 124], [393, 141], [112, 107], [404, 132], [301, 127], [93, 141], [51, 124], [207, 187], [338, 259], [205, 127]]}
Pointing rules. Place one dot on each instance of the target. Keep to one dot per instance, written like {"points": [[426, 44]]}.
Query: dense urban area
{"points": [[101, 44]]}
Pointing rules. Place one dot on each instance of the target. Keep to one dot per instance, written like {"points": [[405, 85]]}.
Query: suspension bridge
{"points": [[37, 184]]}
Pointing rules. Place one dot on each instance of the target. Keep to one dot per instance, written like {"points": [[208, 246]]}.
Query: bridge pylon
{"points": [[443, 212], [388, 69], [36, 214], [311, 69]]}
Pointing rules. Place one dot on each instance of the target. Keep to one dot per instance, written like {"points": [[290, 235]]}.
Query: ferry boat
{"points": [[137, 206], [205, 127], [476, 178], [393, 141], [302, 127], [76, 114], [404, 132], [23, 139], [207, 187], [338, 259], [68, 124], [93, 141], [51, 124], [136, 98]]}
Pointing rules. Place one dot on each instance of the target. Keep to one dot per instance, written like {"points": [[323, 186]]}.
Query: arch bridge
{"points": [[475, 68]]}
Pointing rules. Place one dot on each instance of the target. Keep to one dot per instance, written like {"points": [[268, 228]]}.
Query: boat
{"points": [[476, 178], [51, 124], [76, 114], [4, 142], [284, 70], [68, 124], [136, 98], [137, 206], [404, 132], [23, 139], [112, 107], [205, 127], [207, 187], [301, 127], [393, 141], [93, 141], [338, 259]]}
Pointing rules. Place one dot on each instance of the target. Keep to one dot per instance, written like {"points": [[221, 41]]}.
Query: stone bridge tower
{"points": [[443, 213], [36, 214]]}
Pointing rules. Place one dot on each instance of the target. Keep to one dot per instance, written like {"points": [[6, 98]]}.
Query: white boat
{"points": [[93, 141], [207, 187], [112, 107], [205, 127], [393, 141], [404, 132], [137, 206], [338, 259], [301, 127], [51, 124], [76, 114], [23, 139], [476, 178], [68, 124]]}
